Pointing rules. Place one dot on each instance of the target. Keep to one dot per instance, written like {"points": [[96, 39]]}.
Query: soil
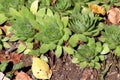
{"points": [[64, 69]]}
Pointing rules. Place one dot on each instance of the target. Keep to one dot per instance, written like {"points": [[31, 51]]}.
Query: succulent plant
{"points": [[89, 54], [85, 24], [53, 30], [111, 36], [21, 23], [63, 5]]}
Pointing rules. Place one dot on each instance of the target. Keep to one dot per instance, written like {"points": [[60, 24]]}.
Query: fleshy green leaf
{"points": [[1, 32], [3, 66], [97, 66], [74, 40], [98, 47], [26, 13], [40, 14], [27, 51], [58, 51], [14, 38], [21, 48], [45, 47], [6, 45], [17, 66], [105, 49], [117, 51], [49, 12], [65, 21], [45, 58], [34, 7], [29, 45], [83, 64], [14, 12], [102, 57], [75, 60], [35, 52], [83, 38], [3, 18], [96, 59], [69, 50]]}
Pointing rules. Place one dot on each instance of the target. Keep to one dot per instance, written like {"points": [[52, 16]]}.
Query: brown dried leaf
{"points": [[22, 76], [4, 57], [114, 15], [86, 74], [15, 57]]}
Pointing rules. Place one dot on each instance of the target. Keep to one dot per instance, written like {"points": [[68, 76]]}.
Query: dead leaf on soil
{"points": [[22, 76], [86, 74], [97, 9], [41, 69], [14, 57], [114, 15]]}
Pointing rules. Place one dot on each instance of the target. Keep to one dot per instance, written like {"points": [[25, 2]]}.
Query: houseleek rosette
{"points": [[85, 24], [21, 23], [111, 37], [63, 6], [52, 31], [89, 54]]}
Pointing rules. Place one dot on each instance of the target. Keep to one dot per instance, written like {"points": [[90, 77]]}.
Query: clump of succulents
{"points": [[21, 23], [53, 30], [63, 5], [111, 36], [89, 54], [85, 24]]}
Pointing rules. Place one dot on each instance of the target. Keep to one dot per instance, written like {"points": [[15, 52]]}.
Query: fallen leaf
{"points": [[22, 76], [41, 69], [15, 57], [97, 9], [86, 74], [4, 57], [114, 15]]}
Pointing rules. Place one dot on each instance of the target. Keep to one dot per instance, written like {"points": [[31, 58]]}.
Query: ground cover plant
{"points": [[59, 39]]}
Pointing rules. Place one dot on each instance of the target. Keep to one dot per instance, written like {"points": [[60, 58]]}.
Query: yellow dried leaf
{"points": [[34, 7], [41, 69], [97, 9]]}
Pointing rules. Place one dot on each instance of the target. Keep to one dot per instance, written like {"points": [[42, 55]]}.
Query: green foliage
{"points": [[3, 66], [18, 66], [3, 18], [63, 5], [21, 47], [52, 25], [89, 54], [85, 24], [21, 23], [53, 30], [112, 38], [44, 3]]}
